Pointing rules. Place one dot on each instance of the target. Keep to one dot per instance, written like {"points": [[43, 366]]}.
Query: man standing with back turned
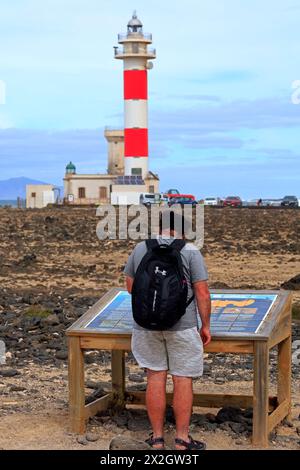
{"points": [[168, 281]]}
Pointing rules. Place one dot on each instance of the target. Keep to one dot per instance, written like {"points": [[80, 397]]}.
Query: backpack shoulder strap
{"points": [[151, 243], [178, 244]]}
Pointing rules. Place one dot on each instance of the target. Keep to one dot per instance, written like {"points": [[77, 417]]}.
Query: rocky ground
{"points": [[53, 267]]}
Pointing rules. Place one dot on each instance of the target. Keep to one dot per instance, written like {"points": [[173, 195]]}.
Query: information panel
{"points": [[236, 313]]}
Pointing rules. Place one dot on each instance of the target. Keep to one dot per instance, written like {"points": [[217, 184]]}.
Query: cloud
{"points": [[214, 141], [277, 154], [203, 126], [196, 97], [44, 155], [221, 178], [292, 8], [5, 122], [224, 76], [188, 139]]}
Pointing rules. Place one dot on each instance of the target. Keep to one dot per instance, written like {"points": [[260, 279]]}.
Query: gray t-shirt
{"points": [[194, 270]]}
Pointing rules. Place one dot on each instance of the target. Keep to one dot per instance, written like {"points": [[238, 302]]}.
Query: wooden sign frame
{"points": [[267, 411]]}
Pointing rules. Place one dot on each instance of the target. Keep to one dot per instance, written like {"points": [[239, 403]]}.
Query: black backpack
{"points": [[159, 291]]}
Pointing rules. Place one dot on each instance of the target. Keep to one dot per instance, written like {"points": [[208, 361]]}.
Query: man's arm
{"points": [[129, 282], [202, 296], [129, 271]]}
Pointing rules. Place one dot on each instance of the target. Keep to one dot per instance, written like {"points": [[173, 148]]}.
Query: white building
{"points": [[39, 195], [85, 189]]}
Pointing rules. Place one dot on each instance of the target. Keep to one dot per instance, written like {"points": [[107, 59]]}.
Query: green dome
{"points": [[70, 168]]}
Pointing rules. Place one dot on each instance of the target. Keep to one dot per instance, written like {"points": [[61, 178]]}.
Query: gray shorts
{"points": [[179, 352]]}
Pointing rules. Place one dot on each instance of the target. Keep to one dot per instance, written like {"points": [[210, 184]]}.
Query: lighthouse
{"points": [[128, 179], [136, 54]]}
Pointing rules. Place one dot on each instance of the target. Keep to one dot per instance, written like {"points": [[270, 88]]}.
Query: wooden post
{"points": [[118, 377], [261, 394], [285, 372], [76, 385]]}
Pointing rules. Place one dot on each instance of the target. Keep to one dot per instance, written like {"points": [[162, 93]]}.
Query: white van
{"points": [[150, 198], [212, 201]]}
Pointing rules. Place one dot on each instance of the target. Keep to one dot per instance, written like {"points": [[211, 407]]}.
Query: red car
{"points": [[175, 193], [233, 201]]}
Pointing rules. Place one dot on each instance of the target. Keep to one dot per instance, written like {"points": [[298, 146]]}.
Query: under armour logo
{"points": [[157, 270]]}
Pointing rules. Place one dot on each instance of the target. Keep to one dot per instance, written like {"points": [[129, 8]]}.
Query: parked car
{"points": [[233, 201], [290, 201], [212, 201], [175, 193], [164, 200], [150, 198], [271, 202], [253, 202], [182, 201]]}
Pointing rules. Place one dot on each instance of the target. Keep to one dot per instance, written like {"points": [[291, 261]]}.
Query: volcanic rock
{"points": [[229, 413], [92, 437], [292, 284], [237, 427], [51, 320], [82, 440], [140, 424], [125, 443], [63, 355], [9, 372], [136, 378]]}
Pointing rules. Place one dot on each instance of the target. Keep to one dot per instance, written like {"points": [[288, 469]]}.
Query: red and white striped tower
{"points": [[135, 54]]}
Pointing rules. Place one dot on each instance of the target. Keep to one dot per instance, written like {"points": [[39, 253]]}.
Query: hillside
{"points": [[16, 187]]}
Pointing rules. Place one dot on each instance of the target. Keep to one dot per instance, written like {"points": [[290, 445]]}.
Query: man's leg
{"points": [[156, 401], [185, 354], [182, 405], [149, 350]]}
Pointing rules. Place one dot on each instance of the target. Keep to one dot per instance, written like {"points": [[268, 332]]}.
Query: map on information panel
{"points": [[236, 313]]}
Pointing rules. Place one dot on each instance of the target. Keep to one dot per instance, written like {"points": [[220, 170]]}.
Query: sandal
{"points": [[152, 441], [192, 444]]}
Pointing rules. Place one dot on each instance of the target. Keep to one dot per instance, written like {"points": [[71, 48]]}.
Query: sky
{"points": [[224, 93]]}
